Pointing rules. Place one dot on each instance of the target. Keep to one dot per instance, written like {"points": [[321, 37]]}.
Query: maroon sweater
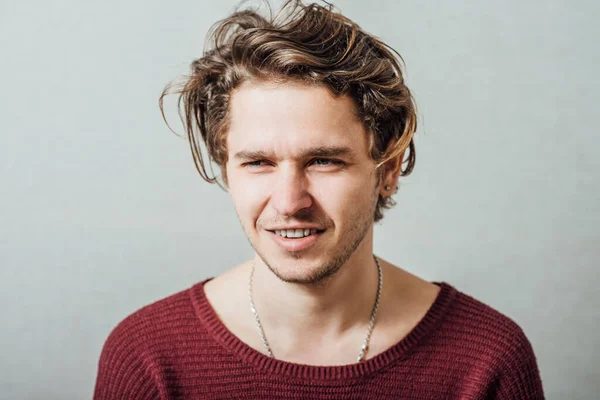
{"points": [[177, 348]]}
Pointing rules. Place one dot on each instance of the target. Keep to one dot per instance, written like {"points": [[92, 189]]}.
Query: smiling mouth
{"points": [[297, 233]]}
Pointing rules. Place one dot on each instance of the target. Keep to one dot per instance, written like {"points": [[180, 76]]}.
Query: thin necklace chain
{"points": [[365, 346]]}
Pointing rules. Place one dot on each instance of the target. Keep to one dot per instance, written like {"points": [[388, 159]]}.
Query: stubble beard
{"points": [[361, 222]]}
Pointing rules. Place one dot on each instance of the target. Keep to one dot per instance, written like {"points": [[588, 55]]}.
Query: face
{"points": [[300, 177]]}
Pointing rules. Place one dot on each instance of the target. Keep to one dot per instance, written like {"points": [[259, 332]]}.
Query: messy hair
{"points": [[311, 44]]}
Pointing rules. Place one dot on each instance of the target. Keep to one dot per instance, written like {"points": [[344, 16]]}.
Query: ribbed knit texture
{"points": [[177, 348]]}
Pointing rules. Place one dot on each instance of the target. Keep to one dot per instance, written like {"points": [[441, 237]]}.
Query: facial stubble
{"points": [[361, 221]]}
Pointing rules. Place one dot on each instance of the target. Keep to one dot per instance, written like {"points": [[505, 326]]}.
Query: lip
{"points": [[295, 245], [281, 228]]}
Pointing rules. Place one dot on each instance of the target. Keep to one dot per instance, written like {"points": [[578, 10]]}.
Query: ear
{"points": [[389, 175]]}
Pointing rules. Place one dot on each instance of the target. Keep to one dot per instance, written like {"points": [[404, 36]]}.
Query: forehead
{"points": [[286, 118]]}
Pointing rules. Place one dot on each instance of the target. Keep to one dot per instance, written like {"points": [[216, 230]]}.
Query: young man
{"points": [[309, 121]]}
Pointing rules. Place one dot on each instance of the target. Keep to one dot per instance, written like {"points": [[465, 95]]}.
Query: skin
{"points": [[277, 178], [299, 155]]}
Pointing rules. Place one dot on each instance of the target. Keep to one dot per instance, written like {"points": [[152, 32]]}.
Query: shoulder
{"points": [[155, 319], [484, 325], [470, 321], [145, 327], [494, 347], [130, 354]]}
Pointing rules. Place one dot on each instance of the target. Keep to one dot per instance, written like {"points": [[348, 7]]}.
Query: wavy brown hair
{"points": [[312, 44]]}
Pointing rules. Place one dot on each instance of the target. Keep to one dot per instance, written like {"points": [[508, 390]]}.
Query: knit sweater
{"points": [[177, 348]]}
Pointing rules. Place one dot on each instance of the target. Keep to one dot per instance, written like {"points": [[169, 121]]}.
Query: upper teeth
{"points": [[295, 233]]}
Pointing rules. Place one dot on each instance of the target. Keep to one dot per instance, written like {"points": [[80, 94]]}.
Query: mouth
{"points": [[296, 240], [296, 233]]}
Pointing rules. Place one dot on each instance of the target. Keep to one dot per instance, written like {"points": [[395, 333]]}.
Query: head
{"points": [[310, 123]]}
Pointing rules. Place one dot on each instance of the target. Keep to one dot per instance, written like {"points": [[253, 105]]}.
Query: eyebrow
{"points": [[321, 151]]}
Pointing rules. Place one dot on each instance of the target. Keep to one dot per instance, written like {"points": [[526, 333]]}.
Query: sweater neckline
{"points": [[209, 318]]}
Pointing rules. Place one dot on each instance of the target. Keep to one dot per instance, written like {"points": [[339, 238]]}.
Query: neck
{"points": [[301, 317]]}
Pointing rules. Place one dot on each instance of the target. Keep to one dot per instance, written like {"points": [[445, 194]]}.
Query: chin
{"points": [[295, 269]]}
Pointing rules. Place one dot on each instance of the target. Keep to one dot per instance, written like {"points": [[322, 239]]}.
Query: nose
{"points": [[290, 194]]}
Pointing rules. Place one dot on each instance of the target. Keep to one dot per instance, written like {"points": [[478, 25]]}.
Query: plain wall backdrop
{"points": [[102, 211]]}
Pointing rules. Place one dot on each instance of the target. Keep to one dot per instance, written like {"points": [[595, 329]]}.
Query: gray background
{"points": [[102, 211]]}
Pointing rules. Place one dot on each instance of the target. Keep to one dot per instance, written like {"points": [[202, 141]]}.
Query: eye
{"points": [[255, 164], [326, 161]]}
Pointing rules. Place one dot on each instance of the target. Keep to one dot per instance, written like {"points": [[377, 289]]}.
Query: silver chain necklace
{"points": [[365, 345]]}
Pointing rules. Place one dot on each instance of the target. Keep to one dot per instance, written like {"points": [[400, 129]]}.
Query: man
{"points": [[311, 125]]}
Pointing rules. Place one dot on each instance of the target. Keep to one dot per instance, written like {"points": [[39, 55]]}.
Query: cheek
{"points": [[248, 196], [342, 196]]}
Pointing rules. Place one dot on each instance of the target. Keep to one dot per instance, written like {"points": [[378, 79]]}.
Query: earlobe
{"points": [[388, 191], [391, 174]]}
